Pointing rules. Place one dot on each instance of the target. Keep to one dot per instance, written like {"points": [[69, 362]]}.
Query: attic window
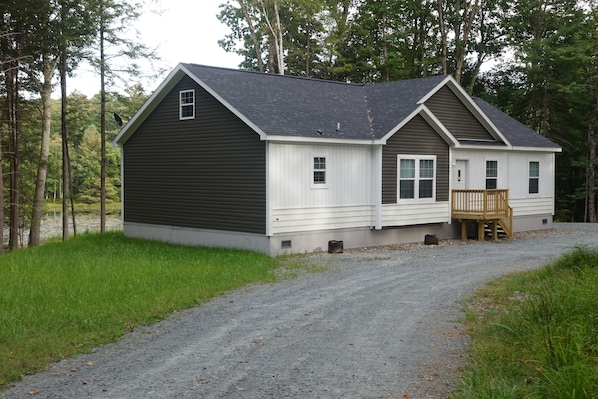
{"points": [[186, 104]]}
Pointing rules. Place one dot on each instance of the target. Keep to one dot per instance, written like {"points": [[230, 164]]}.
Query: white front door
{"points": [[460, 175]]}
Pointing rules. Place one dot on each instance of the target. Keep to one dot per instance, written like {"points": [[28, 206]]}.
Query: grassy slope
{"points": [[63, 298], [535, 335]]}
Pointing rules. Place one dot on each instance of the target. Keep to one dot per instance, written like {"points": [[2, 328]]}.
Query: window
{"points": [[319, 171], [187, 104], [491, 174], [534, 177], [417, 177]]}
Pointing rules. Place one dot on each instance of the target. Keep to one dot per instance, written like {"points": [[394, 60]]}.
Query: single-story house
{"points": [[282, 164]]}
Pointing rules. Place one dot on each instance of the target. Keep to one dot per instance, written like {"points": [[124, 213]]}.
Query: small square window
{"points": [[187, 104]]}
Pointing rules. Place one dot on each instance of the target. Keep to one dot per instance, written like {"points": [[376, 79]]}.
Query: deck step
{"points": [[488, 231]]}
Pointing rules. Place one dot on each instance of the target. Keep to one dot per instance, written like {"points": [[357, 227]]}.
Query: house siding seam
{"points": [[205, 173], [453, 114], [417, 137]]}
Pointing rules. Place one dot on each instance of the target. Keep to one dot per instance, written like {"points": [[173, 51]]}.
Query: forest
{"points": [[537, 60]]}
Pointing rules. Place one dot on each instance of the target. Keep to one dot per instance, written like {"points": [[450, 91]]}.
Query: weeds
{"points": [[540, 345]]}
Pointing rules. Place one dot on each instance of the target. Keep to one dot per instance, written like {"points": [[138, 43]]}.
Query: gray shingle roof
{"points": [[293, 106], [515, 132], [290, 106]]}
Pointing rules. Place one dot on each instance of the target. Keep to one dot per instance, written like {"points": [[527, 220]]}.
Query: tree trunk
{"points": [[65, 150], [443, 38], [12, 97], [42, 168], [256, 43], [591, 170], [102, 132], [276, 44], [469, 13], [592, 145], [1, 195]]}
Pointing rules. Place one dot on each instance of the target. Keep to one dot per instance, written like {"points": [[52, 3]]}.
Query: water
{"points": [[52, 225]]}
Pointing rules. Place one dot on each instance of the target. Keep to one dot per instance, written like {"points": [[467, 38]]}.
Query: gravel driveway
{"points": [[381, 323]]}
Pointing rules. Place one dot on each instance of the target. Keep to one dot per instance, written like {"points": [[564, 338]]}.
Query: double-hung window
{"points": [[417, 177], [534, 177], [491, 175], [186, 104], [319, 172]]}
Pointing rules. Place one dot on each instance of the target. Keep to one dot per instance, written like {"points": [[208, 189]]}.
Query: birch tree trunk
{"points": [[275, 29], [42, 167], [256, 43]]}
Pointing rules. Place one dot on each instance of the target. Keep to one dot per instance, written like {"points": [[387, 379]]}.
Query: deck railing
{"points": [[480, 203], [483, 206]]}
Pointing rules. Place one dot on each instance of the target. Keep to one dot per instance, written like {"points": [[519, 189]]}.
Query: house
{"points": [[281, 164]]}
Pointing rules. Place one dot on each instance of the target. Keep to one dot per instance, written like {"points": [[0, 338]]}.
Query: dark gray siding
{"points": [[209, 172], [415, 138], [447, 107]]}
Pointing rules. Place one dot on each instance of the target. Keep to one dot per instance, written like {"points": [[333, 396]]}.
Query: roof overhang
{"points": [[162, 91], [152, 102], [468, 102]]}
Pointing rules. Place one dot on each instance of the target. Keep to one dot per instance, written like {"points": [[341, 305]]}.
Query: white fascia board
{"points": [[482, 147], [150, 104], [435, 89], [317, 140], [388, 135], [470, 104], [538, 149], [247, 121]]}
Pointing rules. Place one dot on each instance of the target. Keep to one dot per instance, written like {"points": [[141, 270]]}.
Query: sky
{"points": [[186, 31]]}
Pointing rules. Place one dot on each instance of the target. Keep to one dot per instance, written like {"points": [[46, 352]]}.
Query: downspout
{"points": [[376, 173], [377, 185], [122, 185], [268, 208], [452, 165]]}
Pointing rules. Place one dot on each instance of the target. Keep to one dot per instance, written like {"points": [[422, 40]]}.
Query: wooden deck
{"points": [[485, 207]]}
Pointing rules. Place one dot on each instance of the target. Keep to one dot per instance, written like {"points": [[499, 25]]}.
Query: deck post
{"points": [[494, 225], [480, 230], [463, 229]]}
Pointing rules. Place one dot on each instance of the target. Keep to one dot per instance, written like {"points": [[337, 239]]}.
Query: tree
{"points": [[113, 19], [11, 66]]}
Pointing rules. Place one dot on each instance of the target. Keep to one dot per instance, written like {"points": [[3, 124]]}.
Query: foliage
{"points": [[535, 335], [65, 298]]}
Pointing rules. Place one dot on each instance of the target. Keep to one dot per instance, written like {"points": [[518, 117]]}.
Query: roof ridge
{"points": [[275, 75]]}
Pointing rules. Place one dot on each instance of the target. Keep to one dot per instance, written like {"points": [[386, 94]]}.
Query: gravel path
{"points": [[375, 323]]}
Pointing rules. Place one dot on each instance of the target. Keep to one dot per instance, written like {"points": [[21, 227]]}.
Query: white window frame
{"points": [[530, 177], [314, 183], [186, 104], [417, 177], [486, 177]]}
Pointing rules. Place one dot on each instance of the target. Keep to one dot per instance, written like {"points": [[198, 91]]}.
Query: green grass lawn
{"points": [[535, 335], [60, 299]]}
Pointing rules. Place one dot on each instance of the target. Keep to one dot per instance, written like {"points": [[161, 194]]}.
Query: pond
{"points": [[86, 222]]}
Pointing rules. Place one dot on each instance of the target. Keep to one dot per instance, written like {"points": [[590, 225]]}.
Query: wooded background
{"points": [[537, 60]]}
